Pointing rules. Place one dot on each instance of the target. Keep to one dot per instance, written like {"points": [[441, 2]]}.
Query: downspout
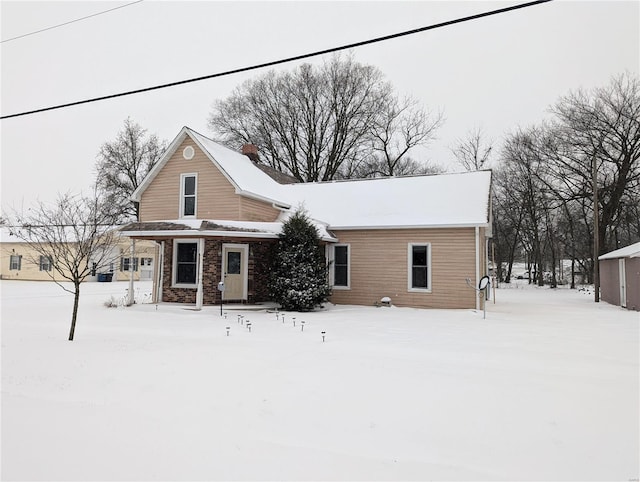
{"points": [[477, 265], [159, 273], [199, 292]]}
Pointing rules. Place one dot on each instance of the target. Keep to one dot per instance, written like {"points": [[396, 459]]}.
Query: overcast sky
{"points": [[497, 73]]}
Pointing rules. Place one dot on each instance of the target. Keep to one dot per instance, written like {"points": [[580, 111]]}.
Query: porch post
{"points": [[477, 265], [132, 254], [159, 278], [199, 293]]}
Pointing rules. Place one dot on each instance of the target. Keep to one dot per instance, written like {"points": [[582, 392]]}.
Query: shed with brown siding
{"points": [[214, 212], [620, 277]]}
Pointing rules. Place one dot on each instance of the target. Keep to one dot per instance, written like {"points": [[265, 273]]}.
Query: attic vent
{"points": [[188, 153]]}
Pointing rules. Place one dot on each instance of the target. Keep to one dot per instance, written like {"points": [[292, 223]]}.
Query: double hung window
{"points": [[341, 266], [188, 194], [125, 264], [185, 263], [15, 262], [45, 263], [419, 267]]}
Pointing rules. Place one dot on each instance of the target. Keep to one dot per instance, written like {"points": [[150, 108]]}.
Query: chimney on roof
{"points": [[251, 151]]}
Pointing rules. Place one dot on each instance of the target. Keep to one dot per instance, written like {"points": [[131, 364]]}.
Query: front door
{"points": [[234, 267]]}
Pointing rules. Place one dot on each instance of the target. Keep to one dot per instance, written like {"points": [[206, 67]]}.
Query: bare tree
{"points": [[122, 165], [400, 127], [597, 159], [316, 123], [600, 131], [74, 237], [473, 152]]}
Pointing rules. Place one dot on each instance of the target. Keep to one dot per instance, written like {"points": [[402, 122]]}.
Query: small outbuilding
{"points": [[620, 277]]}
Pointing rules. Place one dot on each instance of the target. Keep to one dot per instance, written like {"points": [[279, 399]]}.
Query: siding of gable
{"points": [[378, 267], [216, 197]]}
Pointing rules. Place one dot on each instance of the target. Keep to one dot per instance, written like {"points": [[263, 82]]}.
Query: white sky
{"points": [[499, 72]]}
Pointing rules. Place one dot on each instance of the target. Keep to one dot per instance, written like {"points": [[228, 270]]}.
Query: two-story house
{"points": [[215, 214]]}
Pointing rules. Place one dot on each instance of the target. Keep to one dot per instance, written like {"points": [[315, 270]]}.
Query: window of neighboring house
{"points": [[185, 263], [45, 263], [188, 191], [146, 261], [15, 262], [125, 264], [341, 266], [419, 267], [94, 268]]}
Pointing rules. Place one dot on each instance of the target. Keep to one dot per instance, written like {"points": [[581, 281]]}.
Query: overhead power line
{"points": [[285, 60], [69, 22]]}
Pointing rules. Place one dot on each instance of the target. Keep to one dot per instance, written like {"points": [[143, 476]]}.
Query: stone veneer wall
{"points": [[260, 253]]}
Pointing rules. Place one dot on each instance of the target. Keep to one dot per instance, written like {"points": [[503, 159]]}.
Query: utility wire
{"points": [[285, 60], [69, 22]]}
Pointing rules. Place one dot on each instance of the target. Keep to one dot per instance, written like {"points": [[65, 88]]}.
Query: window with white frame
{"points": [[419, 267], [125, 264], [45, 263], [15, 262], [185, 263], [341, 266], [188, 192]]}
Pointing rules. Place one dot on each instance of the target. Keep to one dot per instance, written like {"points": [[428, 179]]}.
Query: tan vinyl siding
{"points": [[379, 267], [253, 210], [216, 197], [30, 267]]}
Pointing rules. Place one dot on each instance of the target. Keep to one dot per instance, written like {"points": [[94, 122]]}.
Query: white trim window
{"points": [[125, 263], [185, 263], [15, 262], [188, 195], [341, 272], [419, 267], [45, 263]]}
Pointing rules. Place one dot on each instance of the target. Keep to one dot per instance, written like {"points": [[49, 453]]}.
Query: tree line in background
{"points": [[569, 188]]}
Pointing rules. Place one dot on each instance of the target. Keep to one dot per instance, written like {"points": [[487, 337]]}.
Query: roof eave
{"points": [[195, 233], [274, 202], [408, 226]]}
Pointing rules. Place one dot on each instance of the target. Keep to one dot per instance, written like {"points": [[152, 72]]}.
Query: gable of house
{"points": [[189, 170]]}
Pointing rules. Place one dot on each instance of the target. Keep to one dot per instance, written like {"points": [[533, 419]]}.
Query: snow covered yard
{"points": [[546, 388]]}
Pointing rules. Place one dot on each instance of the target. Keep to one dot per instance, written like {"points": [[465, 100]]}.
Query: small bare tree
{"points": [[75, 236], [473, 152]]}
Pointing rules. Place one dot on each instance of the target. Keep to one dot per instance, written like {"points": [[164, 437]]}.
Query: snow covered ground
{"points": [[546, 388]]}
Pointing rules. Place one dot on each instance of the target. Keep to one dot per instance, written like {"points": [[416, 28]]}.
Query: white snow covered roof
{"points": [[239, 170], [215, 227], [632, 251], [446, 200]]}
